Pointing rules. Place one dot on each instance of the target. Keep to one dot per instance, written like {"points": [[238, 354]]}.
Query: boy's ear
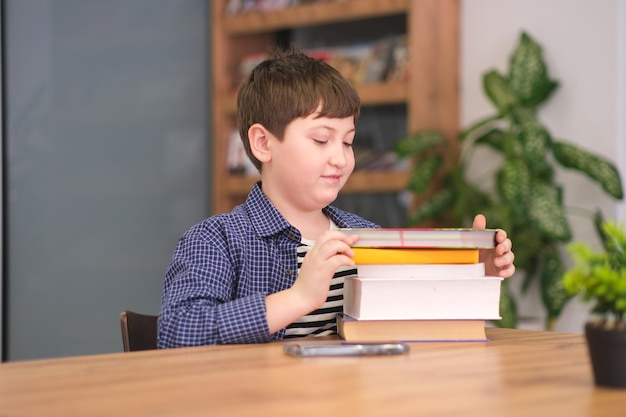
{"points": [[259, 138]]}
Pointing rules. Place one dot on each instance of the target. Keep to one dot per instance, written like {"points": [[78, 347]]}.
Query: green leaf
{"points": [[594, 166], [599, 276], [435, 206], [513, 144], [534, 138], [598, 221], [420, 142], [495, 139], [553, 293], [499, 91], [528, 74], [513, 184], [424, 173], [547, 213]]}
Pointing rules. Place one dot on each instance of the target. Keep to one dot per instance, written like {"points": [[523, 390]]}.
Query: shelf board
{"points": [[371, 95], [311, 14], [359, 182], [383, 93], [377, 182]]}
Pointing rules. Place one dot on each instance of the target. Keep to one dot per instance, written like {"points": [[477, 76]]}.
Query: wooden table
{"points": [[518, 373]]}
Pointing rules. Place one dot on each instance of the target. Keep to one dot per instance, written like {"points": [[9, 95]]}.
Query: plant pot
{"points": [[607, 350]]}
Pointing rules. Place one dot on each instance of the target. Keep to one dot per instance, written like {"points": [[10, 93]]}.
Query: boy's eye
{"points": [[347, 144], [320, 141]]}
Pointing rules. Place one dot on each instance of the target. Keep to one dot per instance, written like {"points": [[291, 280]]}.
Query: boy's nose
{"points": [[339, 157]]}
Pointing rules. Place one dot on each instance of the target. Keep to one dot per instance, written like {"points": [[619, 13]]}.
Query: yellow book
{"points": [[414, 256]]}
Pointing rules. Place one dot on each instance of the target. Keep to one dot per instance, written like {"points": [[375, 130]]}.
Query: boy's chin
{"points": [[328, 198]]}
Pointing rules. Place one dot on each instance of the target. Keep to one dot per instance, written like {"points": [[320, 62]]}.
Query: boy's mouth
{"points": [[333, 178]]}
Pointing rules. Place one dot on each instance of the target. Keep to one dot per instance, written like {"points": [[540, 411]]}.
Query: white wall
{"points": [[621, 97], [583, 43]]}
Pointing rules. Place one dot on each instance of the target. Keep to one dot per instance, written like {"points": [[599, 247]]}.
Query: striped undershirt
{"points": [[321, 322]]}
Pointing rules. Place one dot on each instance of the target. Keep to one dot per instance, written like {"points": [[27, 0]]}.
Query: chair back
{"points": [[139, 331]]}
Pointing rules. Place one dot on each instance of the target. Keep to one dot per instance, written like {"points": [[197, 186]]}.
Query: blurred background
{"points": [[106, 145]]}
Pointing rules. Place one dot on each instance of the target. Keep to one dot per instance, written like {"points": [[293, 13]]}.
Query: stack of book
{"points": [[419, 285]]}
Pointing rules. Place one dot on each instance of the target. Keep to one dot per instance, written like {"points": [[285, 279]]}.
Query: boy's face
{"points": [[313, 161]]}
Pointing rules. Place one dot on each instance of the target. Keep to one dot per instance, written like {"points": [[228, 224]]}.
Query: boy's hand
{"points": [[499, 260], [332, 250]]}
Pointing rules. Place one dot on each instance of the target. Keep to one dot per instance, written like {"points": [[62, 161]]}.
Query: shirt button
{"points": [[292, 235], [288, 272]]}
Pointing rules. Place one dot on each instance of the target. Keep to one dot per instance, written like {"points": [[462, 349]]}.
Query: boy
{"points": [[243, 277]]}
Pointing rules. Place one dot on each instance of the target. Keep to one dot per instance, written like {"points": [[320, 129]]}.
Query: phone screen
{"points": [[345, 349]]}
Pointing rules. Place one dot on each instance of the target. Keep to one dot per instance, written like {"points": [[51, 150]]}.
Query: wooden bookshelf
{"points": [[431, 95]]}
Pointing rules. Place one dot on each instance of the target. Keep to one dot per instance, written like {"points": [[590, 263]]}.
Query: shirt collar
{"points": [[265, 218]]}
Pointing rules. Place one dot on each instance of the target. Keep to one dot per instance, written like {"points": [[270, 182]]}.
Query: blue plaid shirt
{"points": [[224, 267]]}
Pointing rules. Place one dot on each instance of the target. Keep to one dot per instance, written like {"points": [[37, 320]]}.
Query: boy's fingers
{"points": [[480, 222]]}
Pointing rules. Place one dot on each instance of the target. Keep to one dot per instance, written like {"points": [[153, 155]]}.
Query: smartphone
{"points": [[344, 349]]}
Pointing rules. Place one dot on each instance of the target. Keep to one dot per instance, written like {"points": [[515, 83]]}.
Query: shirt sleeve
{"points": [[198, 306]]}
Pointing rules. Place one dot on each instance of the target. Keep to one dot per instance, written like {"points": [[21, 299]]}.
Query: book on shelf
{"points": [[235, 7], [371, 331], [352, 61], [457, 238], [360, 63], [422, 299], [399, 70], [418, 271], [371, 159], [364, 256], [380, 60]]}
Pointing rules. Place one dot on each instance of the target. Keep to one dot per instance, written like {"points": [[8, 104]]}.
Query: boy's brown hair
{"points": [[288, 85]]}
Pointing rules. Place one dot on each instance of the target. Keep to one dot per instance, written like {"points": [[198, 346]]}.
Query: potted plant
{"points": [[521, 194], [600, 277]]}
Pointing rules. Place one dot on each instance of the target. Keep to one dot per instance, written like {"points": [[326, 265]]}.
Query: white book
{"points": [[417, 271], [422, 299]]}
